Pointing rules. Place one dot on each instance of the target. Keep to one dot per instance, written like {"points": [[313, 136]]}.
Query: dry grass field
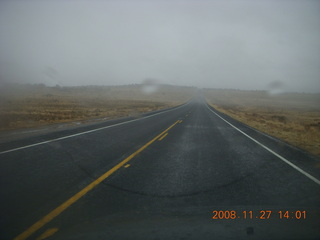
{"points": [[25, 106], [292, 117]]}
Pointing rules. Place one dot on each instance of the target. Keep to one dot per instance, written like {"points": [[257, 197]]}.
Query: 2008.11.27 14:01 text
{"points": [[262, 214]]}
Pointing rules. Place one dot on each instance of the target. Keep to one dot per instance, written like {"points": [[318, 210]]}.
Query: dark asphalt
{"points": [[169, 190]]}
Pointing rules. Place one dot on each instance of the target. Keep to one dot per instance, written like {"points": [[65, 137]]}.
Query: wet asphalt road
{"points": [[158, 176]]}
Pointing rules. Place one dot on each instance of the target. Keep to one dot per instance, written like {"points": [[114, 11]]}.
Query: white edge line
{"points": [[90, 131], [269, 150]]}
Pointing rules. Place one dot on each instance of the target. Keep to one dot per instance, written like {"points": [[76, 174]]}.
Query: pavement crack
{"points": [[189, 194]]}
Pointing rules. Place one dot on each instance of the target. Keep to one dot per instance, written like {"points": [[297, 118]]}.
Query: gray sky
{"points": [[217, 44]]}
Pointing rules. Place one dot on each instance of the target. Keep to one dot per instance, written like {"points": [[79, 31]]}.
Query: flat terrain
{"points": [[27, 106], [292, 117], [159, 176]]}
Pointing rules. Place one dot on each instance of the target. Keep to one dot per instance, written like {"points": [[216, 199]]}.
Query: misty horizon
{"points": [[246, 45]]}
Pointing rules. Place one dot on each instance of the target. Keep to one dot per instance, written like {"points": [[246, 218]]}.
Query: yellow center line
{"points": [[163, 136], [57, 211], [47, 233], [126, 166]]}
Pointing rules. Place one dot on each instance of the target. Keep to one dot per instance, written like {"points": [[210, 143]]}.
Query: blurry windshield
{"points": [[160, 119]]}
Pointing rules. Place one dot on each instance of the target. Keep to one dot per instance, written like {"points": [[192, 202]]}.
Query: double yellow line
{"points": [[57, 211]]}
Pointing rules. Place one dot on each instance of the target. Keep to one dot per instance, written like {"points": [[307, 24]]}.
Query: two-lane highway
{"points": [[156, 177]]}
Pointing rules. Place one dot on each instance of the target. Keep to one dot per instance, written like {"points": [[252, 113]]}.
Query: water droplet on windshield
{"points": [[275, 87], [150, 86]]}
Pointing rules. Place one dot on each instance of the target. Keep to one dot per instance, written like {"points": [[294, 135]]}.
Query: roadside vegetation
{"points": [[291, 117], [25, 106]]}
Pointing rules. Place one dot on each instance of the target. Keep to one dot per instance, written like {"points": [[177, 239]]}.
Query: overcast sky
{"points": [[216, 44]]}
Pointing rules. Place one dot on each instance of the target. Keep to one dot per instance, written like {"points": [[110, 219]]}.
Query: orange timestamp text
{"points": [[260, 214]]}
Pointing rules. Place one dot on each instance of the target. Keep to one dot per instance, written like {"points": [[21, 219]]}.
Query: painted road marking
{"points": [[47, 233], [86, 132], [271, 151], [180, 121], [126, 166], [163, 136], [57, 211]]}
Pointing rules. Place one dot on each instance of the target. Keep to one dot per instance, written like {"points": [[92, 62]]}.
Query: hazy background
{"points": [[217, 44]]}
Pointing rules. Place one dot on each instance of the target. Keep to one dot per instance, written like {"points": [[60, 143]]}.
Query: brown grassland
{"points": [[291, 117], [26, 106]]}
